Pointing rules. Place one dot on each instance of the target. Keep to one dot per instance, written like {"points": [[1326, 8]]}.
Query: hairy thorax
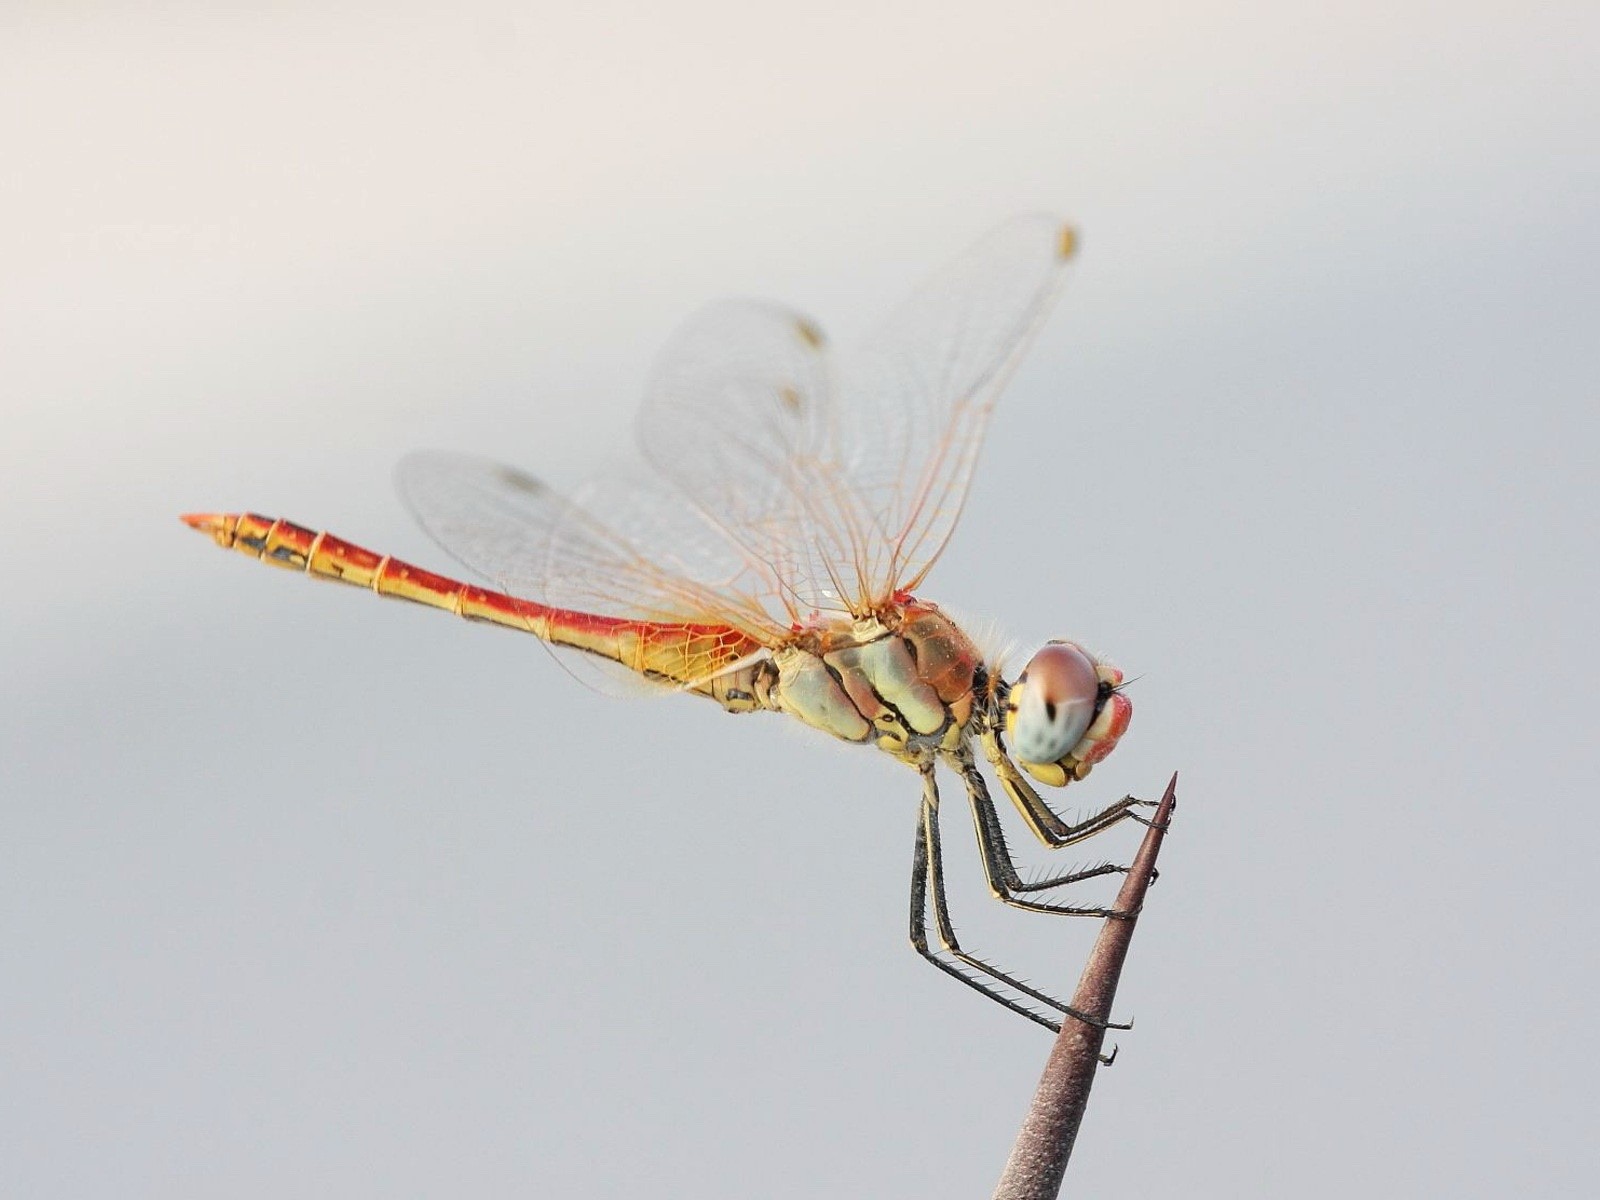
{"points": [[905, 679]]}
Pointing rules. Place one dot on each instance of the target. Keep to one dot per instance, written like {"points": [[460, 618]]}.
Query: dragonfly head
{"points": [[1065, 713]]}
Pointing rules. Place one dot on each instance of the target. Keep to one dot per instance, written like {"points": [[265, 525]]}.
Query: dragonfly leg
{"points": [[999, 869], [1040, 817], [927, 879]]}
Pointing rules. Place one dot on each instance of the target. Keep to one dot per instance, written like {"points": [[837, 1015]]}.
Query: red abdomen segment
{"points": [[685, 653]]}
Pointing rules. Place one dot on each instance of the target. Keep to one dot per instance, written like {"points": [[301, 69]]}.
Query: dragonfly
{"points": [[766, 549]]}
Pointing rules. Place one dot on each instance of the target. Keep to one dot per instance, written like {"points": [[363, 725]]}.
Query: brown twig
{"points": [[1039, 1159]]}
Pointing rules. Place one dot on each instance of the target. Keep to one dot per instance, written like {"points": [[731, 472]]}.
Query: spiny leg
{"points": [[927, 877], [1040, 817], [998, 868]]}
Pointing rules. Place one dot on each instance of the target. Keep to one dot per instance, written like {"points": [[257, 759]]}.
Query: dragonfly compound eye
{"points": [[1055, 697]]}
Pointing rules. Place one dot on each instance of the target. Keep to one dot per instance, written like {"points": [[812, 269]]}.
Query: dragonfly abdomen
{"points": [[285, 544], [696, 656]]}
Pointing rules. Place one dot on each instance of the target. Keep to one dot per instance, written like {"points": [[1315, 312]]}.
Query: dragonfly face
{"points": [[1064, 713], [766, 550]]}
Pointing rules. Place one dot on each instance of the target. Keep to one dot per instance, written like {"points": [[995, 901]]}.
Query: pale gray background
{"points": [[304, 894]]}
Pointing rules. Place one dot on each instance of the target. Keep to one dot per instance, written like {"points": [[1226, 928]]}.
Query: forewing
{"points": [[840, 486], [914, 401]]}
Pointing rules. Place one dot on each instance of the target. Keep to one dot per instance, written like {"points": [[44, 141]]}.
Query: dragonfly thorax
{"points": [[902, 680]]}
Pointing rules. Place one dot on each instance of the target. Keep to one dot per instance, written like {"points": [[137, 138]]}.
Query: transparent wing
{"points": [[840, 485], [782, 484], [625, 547], [916, 399], [739, 416]]}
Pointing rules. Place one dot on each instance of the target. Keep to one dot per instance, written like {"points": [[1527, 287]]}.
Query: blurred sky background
{"points": [[304, 894]]}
